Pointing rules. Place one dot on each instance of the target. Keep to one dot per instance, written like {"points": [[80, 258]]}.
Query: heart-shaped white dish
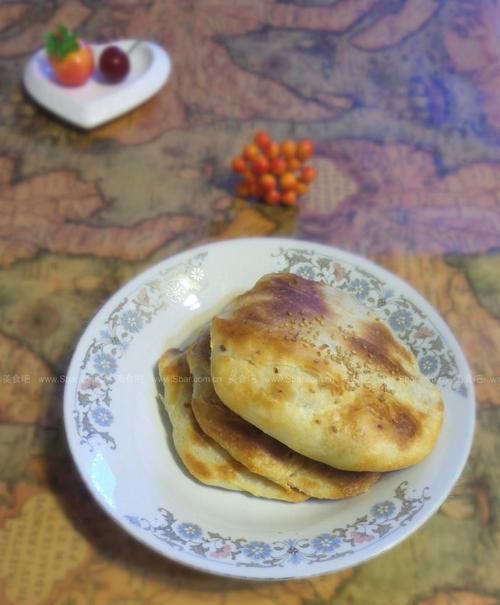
{"points": [[98, 101]]}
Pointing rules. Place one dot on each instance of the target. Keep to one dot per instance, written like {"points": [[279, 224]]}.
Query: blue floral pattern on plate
{"points": [[100, 366], [174, 286], [383, 519], [435, 359], [100, 372]]}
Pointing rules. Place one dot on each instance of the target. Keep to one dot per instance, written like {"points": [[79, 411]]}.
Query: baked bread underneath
{"points": [[260, 453], [203, 458]]}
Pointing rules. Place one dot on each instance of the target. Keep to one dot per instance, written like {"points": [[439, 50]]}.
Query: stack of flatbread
{"points": [[296, 390]]}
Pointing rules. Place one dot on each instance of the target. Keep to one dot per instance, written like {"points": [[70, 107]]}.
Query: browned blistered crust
{"points": [[311, 367], [259, 452], [204, 458]]}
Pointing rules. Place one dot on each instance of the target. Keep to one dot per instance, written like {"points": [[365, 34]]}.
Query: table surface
{"points": [[403, 100]]}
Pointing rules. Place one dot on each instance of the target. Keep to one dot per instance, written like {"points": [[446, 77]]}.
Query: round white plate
{"points": [[98, 101], [120, 437]]}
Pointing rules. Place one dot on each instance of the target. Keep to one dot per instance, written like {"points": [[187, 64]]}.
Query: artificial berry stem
{"points": [[133, 47]]}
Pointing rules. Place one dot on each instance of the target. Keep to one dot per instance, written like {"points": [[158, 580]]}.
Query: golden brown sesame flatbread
{"points": [[313, 368], [203, 458], [260, 453]]}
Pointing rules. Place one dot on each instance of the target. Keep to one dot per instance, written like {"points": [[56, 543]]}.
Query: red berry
{"points": [[293, 164], [272, 197], [248, 177], [254, 189], [305, 149], [263, 140], [251, 152], [114, 63], [267, 182], [289, 198], [273, 150], [260, 165], [289, 148], [308, 174], [278, 166], [239, 165], [288, 181]]}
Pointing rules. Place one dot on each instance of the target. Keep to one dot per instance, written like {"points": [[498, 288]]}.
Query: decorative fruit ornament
{"points": [[305, 149], [263, 140], [114, 64], [251, 152], [273, 150], [70, 57], [278, 166], [288, 181], [268, 182], [308, 174], [260, 165], [289, 198], [272, 197], [289, 148], [239, 165], [275, 173]]}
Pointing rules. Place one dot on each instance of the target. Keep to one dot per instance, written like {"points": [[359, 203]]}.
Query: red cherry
{"points": [[114, 63]]}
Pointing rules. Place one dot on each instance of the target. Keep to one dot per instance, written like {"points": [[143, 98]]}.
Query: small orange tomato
{"points": [[76, 68], [71, 59], [288, 181], [273, 150], [293, 164], [308, 174], [273, 197], [289, 148], [239, 164], [305, 149], [254, 189], [251, 152], [262, 140], [267, 182], [278, 166], [248, 177], [289, 198], [260, 165]]}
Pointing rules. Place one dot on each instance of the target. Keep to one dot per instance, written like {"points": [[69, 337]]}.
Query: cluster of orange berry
{"points": [[275, 172]]}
